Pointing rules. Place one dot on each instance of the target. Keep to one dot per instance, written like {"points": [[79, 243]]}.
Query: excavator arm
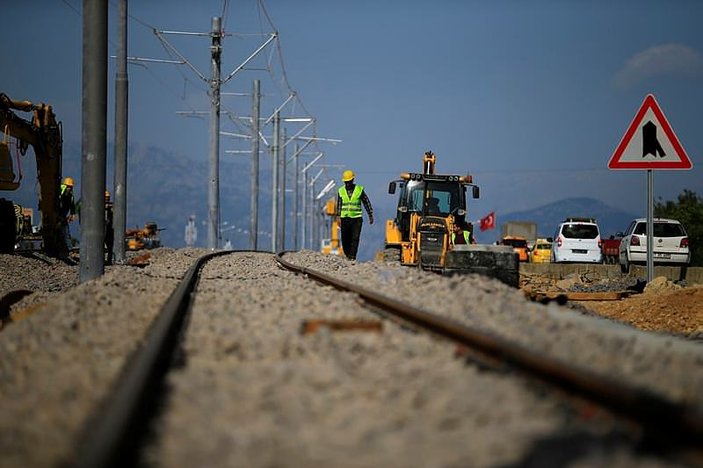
{"points": [[43, 133]]}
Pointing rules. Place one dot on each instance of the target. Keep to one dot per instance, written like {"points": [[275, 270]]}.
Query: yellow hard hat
{"points": [[347, 175], [68, 182], [107, 194]]}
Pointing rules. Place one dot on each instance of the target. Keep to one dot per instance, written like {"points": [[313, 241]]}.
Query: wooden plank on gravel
{"points": [[545, 296], [312, 326], [595, 296]]}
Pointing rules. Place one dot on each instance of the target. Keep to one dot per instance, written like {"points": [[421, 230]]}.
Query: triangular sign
{"points": [[649, 142]]}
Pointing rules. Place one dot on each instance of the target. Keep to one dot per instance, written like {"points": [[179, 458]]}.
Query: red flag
{"points": [[489, 222]]}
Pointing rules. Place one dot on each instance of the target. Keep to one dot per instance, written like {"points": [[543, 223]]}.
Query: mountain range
{"points": [[167, 188], [610, 220]]}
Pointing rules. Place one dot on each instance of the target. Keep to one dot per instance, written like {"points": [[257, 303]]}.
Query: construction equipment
{"points": [[429, 205], [144, 238], [43, 133], [331, 245]]}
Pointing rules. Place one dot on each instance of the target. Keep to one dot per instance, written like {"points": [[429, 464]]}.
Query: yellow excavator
{"points": [[429, 205], [143, 238], [332, 246], [43, 133]]}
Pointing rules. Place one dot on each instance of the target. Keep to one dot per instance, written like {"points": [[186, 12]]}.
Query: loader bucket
{"points": [[494, 261]]}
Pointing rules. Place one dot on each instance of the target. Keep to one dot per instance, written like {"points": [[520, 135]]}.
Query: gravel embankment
{"points": [[255, 391], [276, 397], [65, 350]]}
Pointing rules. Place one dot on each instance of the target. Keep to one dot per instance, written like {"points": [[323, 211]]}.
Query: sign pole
{"points": [[650, 225], [650, 143]]}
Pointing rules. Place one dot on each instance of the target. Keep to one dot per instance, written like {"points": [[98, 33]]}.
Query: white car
{"points": [[670, 243], [577, 240]]}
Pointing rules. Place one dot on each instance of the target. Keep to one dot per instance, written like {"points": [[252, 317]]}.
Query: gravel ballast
{"points": [[255, 391]]}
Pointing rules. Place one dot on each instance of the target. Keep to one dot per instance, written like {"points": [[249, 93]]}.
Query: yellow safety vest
{"points": [[351, 206], [467, 236]]}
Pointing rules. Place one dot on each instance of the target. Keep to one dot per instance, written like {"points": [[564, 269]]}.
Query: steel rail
{"points": [[112, 436], [662, 420]]}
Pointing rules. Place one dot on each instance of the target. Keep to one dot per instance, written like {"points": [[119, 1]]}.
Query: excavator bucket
{"points": [[494, 261]]}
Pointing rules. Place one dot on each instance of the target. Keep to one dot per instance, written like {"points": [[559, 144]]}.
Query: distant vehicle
{"points": [[524, 229], [577, 240], [519, 245], [541, 252], [670, 243], [611, 249], [146, 238]]}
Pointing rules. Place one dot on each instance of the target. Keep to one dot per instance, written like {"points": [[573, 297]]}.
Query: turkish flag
{"points": [[488, 222]]}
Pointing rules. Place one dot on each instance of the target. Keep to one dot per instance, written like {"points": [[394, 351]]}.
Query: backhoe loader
{"points": [[43, 133], [429, 205]]}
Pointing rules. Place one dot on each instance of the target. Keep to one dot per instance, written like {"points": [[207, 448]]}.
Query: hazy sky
{"points": [[530, 97]]}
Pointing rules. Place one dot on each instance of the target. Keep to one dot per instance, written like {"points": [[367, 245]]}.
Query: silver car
{"points": [[670, 243]]}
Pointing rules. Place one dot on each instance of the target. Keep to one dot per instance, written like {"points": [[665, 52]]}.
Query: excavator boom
{"points": [[43, 133]]}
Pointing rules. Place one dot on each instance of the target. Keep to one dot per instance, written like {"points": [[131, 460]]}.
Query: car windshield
{"points": [[515, 242], [662, 229], [580, 231], [543, 246]]}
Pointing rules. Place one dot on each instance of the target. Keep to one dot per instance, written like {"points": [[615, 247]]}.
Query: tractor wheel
{"points": [[8, 226], [391, 254]]}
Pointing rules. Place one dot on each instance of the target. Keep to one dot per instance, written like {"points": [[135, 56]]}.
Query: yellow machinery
{"points": [[331, 246], [144, 238], [429, 205], [43, 133]]}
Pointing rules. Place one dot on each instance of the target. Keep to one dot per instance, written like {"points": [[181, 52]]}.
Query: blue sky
{"points": [[530, 97]]}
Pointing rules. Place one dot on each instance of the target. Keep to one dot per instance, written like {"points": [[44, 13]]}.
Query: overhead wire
{"points": [[281, 82]]}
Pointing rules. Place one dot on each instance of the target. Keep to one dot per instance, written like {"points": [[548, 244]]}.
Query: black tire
{"points": [[625, 267], [391, 254], [8, 226]]}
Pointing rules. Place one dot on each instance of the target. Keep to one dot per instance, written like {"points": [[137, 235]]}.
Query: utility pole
{"points": [[94, 123], [121, 118], [274, 176], [254, 221], [213, 233], [296, 151], [282, 194]]}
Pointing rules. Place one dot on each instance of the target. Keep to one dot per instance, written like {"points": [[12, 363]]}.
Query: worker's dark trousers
{"points": [[351, 231]]}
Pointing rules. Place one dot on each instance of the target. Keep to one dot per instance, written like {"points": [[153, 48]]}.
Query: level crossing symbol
{"points": [[650, 142]]}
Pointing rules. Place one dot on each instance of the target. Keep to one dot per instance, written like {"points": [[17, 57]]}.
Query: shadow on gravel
{"points": [[567, 449], [6, 303]]}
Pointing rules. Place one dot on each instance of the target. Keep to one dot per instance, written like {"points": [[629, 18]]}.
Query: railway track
{"points": [[125, 428]]}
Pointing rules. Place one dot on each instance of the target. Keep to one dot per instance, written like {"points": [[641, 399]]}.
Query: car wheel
{"points": [[625, 266]]}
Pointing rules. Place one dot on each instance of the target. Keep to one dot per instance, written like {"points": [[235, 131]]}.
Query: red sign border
{"points": [[650, 103]]}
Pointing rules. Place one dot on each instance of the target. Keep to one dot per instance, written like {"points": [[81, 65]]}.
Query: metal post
{"points": [[274, 177], [121, 118], [304, 217], [312, 208], [282, 194], [295, 198], [650, 225], [254, 221], [213, 233], [94, 123]]}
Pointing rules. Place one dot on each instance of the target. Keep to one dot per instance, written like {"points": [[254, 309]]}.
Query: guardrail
{"points": [[692, 275]]}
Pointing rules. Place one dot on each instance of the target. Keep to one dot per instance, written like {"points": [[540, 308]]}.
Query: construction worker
{"points": [[349, 201], [109, 231], [67, 208], [463, 233]]}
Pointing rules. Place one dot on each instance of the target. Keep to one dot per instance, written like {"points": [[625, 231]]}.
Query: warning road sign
{"points": [[649, 142]]}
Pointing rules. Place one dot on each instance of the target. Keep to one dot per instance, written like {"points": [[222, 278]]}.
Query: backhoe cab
{"points": [[429, 205]]}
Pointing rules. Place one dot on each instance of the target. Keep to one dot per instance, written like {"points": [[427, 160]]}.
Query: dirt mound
{"points": [[664, 308]]}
